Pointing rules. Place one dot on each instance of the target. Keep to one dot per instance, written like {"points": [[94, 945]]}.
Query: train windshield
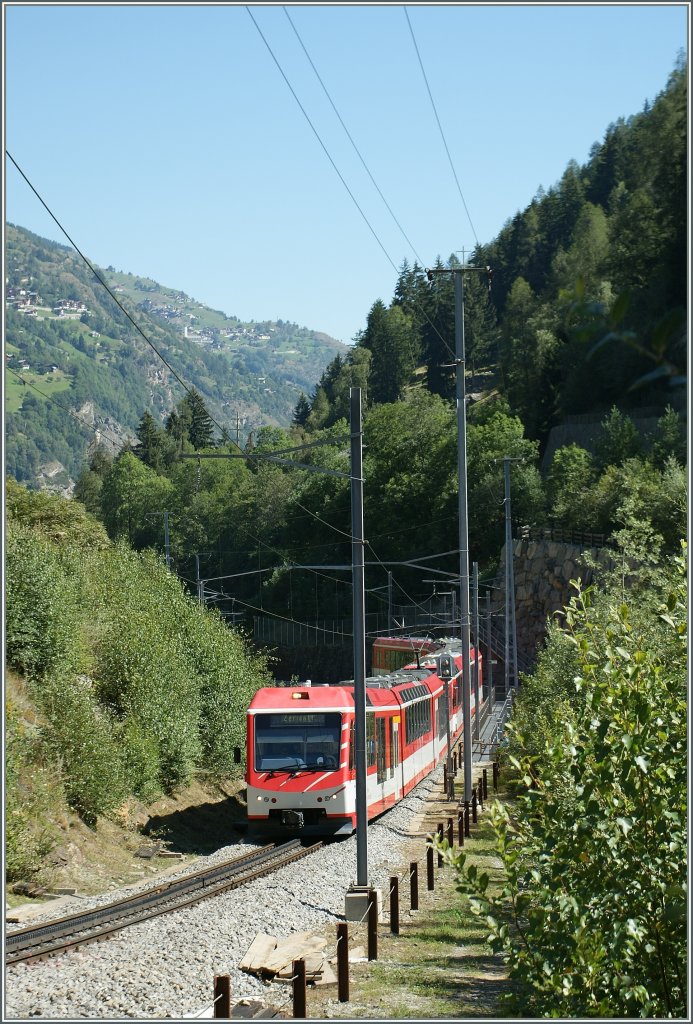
{"points": [[296, 740]]}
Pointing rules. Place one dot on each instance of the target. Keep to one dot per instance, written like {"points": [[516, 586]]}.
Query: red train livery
{"points": [[300, 771]]}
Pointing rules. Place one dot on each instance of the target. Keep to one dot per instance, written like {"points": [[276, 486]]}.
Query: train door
{"points": [[395, 770], [380, 749]]}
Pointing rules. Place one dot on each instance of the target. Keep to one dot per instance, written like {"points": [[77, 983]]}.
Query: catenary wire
{"points": [[341, 178], [90, 426], [351, 140], [440, 127], [248, 455]]}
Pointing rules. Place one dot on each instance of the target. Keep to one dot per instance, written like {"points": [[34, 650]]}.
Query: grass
{"points": [[439, 966], [50, 384]]}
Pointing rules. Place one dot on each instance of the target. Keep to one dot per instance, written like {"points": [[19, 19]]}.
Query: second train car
{"points": [[300, 774]]}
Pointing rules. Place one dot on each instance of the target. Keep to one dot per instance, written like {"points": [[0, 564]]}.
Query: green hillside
{"points": [[78, 370]]}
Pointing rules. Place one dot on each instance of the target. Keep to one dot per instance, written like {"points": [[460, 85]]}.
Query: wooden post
{"points": [[414, 885], [495, 776], [372, 925], [460, 828], [451, 834], [445, 776], [222, 996], [394, 905], [440, 836], [466, 817], [429, 868], [474, 804], [298, 974], [485, 784], [343, 963]]}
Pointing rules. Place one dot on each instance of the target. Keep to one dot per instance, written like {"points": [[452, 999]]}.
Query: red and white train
{"points": [[300, 774]]}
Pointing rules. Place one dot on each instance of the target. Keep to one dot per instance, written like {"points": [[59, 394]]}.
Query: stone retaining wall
{"points": [[543, 571]]}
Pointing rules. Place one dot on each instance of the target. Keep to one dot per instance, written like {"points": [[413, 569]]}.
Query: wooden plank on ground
{"points": [[326, 977], [294, 947], [258, 950], [315, 963]]}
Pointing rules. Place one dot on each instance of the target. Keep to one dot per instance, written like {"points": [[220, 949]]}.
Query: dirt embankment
{"points": [[193, 823]]}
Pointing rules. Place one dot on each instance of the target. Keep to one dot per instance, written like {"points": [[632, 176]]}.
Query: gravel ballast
{"points": [[164, 968]]}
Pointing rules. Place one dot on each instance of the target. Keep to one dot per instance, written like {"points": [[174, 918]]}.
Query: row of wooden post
{"points": [[222, 983]]}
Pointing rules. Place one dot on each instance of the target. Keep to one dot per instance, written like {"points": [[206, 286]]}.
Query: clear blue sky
{"points": [[167, 142]]}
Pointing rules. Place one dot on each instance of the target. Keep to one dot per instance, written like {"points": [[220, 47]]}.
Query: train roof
{"points": [[408, 684], [406, 642], [311, 697]]}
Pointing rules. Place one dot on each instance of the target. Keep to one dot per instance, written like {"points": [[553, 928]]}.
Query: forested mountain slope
{"points": [[594, 330], [67, 337], [587, 300]]}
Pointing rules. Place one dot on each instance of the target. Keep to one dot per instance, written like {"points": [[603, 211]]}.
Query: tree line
{"points": [[587, 303]]}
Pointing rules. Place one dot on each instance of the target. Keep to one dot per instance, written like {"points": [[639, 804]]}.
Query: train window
{"points": [[370, 739], [380, 749], [295, 740], [417, 720]]}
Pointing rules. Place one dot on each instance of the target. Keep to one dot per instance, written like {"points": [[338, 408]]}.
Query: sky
{"points": [[169, 141]]}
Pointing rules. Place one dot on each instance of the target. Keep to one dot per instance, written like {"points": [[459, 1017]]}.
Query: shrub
{"points": [[40, 624], [595, 862], [80, 737], [31, 794]]}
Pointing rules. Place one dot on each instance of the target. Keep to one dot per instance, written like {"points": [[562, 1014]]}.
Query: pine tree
{"points": [[301, 412], [201, 430], [390, 338], [152, 443]]}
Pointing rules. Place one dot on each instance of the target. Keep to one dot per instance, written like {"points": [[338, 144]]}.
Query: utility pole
{"points": [[200, 583], [489, 651], [389, 600], [460, 397], [475, 606], [357, 561], [167, 546], [510, 623]]}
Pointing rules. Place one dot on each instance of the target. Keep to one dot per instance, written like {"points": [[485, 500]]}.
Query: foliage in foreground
{"points": [[138, 687], [592, 918]]}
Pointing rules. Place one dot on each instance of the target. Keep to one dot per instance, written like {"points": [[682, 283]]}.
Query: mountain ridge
{"points": [[68, 345]]}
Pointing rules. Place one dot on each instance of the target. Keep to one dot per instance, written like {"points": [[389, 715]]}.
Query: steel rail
{"points": [[34, 943]]}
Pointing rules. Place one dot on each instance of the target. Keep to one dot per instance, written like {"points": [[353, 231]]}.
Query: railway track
{"points": [[34, 943]]}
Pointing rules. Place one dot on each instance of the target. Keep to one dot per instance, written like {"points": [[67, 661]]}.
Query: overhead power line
{"points": [[338, 172], [348, 133], [116, 442], [99, 278], [322, 144], [440, 127], [247, 455]]}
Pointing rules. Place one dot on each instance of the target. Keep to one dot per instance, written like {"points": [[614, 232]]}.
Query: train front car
{"points": [[299, 775]]}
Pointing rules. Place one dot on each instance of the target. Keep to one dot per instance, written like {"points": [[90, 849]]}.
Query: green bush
{"points": [[41, 631], [592, 920], [140, 686], [81, 738], [31, 795]]}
